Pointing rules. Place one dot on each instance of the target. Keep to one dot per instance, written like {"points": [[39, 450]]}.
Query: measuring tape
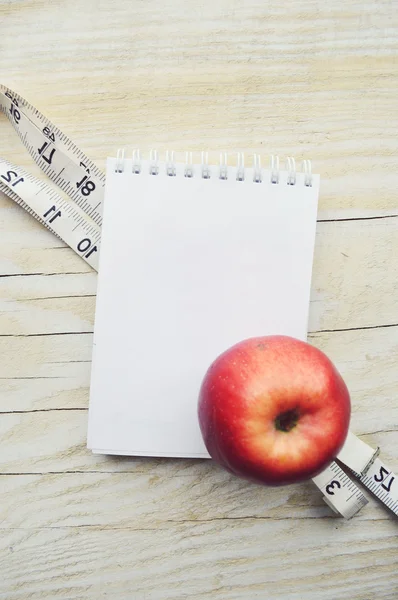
{"points": [[76, 218], [78, 223], [342, 494]]}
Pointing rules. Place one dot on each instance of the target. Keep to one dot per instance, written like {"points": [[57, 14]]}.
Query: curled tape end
{"points": [[330, 505], [370, 463]]}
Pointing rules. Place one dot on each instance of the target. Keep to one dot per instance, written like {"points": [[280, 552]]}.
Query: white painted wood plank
{"points": [[123, 500], [55, 441], [47, 372], [310, 80], [149, 494], [354, 279], [253, 559]]}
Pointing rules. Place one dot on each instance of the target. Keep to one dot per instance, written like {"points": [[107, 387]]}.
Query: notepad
{"points": [[194, 258]]}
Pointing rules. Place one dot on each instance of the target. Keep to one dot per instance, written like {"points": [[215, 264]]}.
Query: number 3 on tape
{"points": [[342, 494]]}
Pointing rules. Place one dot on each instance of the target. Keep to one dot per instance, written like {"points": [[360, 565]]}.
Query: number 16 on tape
{"points": [[342, 494]]}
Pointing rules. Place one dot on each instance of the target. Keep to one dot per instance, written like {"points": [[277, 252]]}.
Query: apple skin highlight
{"points": [[274, 410]]}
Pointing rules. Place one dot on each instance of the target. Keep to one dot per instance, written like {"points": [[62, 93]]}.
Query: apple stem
{"points": [[287, 420]]}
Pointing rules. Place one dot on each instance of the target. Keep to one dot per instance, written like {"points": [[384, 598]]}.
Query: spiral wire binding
{"points": [[307, 173], [240, 169], [206, 171], [257, 175], [153, 163], [223, 172], [119, 166], [291, 170], [136, 166], [171, 168], [274, 169], [188, 171]]}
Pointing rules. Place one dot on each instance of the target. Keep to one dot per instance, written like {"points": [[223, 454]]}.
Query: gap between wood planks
{"points": [[310, 333], [331, 220], [44, 274], [345, 219], [172, 522]]}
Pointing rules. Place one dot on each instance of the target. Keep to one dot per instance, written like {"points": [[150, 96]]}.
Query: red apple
{"points": [[274, 410]]}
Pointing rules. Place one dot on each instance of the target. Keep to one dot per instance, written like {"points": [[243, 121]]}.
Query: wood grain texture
{"points": [[341, 248], [172, 561], [309, 79]]}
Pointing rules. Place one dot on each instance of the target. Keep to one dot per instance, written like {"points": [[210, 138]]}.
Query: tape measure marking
{"points": [[383, 483], [64, 219], [340, 492], [364, 463], [77, 222]]}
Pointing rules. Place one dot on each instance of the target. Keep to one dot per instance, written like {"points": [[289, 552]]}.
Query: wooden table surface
{"points": [[311, 79]]}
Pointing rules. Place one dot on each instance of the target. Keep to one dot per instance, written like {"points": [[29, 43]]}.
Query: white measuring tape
{"points": [[341, 493], [78, 223], [77, 219]]}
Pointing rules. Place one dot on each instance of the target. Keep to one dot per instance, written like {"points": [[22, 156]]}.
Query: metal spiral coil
{"points": [[222, 171]]}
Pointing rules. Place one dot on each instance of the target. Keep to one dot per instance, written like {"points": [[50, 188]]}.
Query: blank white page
{"points": [[189, 267]]}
